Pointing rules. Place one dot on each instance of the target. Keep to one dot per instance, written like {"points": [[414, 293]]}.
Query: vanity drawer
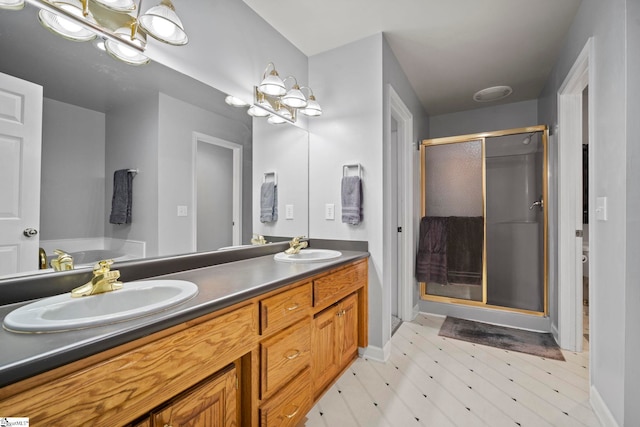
{"points": [[284, 355], [285, 308], [290, 404], [334, 286]]}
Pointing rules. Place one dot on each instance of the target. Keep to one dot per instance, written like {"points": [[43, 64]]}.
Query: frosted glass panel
{"points": [[452, 231]]}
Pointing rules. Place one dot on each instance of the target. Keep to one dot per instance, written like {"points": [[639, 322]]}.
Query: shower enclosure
{"points": [[484, 220]]}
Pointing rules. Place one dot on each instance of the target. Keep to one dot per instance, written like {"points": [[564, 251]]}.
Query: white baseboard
{"points": [[554, 332], [376, 353], [601, 409], [416, 311]]}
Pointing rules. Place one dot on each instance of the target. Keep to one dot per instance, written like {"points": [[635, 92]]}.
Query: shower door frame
{"points": [[482, 136]]}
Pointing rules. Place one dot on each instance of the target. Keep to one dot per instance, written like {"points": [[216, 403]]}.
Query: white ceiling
{"points": [[449, 49]]}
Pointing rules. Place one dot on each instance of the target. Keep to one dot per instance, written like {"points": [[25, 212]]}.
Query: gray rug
{"points": [[535, 343]]}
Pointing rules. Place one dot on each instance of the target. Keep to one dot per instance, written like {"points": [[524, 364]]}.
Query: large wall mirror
{"points": [[195, 158]]}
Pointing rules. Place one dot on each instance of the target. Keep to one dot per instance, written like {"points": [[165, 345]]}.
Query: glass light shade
{"points": [[11, 4], [294, 98], [272, 85], [125, 53], [99, 43], [312, 109], [118, 5], [235, 102], [162, 23], [257, 111], [275, 120], [65, 27]]}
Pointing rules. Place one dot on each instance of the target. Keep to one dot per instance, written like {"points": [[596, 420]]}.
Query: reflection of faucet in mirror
{"points": [[258, 239], [64, 261], [295, 245], [42, 259], [104, 280]]}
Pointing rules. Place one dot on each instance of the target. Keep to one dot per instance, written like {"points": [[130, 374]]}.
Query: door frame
{"points": [[570, 199], [237, 185], [406, 246]]}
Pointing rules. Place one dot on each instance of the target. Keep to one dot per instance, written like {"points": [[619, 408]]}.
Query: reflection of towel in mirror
{"points": [[431, 259], [268, 202], [122, 197], [351, 200]]}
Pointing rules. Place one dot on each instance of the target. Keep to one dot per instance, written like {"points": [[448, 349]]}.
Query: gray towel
{"points": [[431, 259], [351, 200], [268, 202], [122, 197]]}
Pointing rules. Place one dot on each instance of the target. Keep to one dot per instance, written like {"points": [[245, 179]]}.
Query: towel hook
{"points": [[133, 171], [275, 177], [345, 169]]}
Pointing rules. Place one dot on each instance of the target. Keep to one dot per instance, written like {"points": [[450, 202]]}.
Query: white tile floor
{"points": [[435, 381]]}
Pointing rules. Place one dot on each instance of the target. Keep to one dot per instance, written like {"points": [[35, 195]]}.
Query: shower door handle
{"points": [[538, 203]]}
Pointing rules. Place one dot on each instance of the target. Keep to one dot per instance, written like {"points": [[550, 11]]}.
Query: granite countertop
{"points": [[219, 286]]}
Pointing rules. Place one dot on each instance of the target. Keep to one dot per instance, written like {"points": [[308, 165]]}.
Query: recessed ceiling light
{"points": [[492, 93]]}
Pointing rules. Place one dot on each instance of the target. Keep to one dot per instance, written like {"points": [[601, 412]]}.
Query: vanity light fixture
{"points": [[119, 22], [272, 99]]}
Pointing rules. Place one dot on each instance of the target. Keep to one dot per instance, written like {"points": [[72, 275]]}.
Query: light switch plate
{"points": [[330, 211], [601, 208], [182, 210], [288, 211]]}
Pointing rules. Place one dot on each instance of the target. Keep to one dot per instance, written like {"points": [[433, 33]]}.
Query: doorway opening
{"points": [[217, 185]]}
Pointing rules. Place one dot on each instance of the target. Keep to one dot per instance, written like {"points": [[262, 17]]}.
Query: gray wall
{"points": [[177, 122], [614, 250], [72, 203], [132, 142]]}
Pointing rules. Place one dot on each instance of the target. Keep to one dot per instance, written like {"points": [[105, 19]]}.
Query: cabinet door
{"points": [[325, 358], [210, 404], [348, 322]]}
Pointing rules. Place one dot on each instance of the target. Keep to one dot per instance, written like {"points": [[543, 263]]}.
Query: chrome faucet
{"points": [[64, 261], [295, 245], [104, 280]]}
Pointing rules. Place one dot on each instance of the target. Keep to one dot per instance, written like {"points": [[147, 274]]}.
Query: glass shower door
{"points": [[515, 221]]}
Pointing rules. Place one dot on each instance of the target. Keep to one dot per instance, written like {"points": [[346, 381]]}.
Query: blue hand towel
{"points": [[122, 198], [351, 200], [268, 202]]}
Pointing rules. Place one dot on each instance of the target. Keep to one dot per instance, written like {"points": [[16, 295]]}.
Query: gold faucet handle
{"points": [[102, 266]]}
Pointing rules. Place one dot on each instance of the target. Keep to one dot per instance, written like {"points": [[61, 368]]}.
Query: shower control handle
{"points": [[538, 203]]}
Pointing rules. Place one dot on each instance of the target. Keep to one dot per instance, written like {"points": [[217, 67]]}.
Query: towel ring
{"points": [[266, 174], [345, 169]]}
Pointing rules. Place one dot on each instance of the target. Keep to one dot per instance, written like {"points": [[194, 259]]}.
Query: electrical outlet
{"points": [[288, 211], [330, 211], [182, 210]]}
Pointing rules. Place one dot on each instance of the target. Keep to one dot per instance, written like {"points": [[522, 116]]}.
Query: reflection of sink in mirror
{"points": [[61, 312], [93, 256], [308, 255]]}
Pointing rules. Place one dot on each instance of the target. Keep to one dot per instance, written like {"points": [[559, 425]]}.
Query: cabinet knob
{"points": [[292, 356]]}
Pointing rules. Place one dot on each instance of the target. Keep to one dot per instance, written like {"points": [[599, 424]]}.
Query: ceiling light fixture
{"points": [[119, 22], [493, 93], [272, 99]]}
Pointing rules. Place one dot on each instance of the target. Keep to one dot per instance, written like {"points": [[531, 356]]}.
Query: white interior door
{"points": [[20, 147]]}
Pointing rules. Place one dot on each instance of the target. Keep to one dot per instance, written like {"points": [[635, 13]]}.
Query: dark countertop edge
{"points": [[43, 363]]}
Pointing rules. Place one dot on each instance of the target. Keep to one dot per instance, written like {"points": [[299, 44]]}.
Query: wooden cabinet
{"points": [[210, 404], [334, 341], [263, 361]]}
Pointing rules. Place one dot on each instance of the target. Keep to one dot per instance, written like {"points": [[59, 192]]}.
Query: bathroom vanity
{"points": [[258, 345]]}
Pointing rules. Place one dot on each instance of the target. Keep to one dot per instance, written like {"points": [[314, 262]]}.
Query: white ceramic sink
{"points": [[135, 299], [308, 255]]}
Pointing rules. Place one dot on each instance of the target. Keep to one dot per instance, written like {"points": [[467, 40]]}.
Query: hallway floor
{"points": [[435, 381]]}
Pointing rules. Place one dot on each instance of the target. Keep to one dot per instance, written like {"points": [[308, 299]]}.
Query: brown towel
{"points": [[431, 259]]}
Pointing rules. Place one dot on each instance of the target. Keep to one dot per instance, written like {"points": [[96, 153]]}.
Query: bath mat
{"points": [[535, 343]]}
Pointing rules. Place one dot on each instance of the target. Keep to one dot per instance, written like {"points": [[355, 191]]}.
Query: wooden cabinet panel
{"points": [[341, 283], [284, 309], [289, 405], [325, 357], [334, 341], [210, 404], [284, 355]]}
